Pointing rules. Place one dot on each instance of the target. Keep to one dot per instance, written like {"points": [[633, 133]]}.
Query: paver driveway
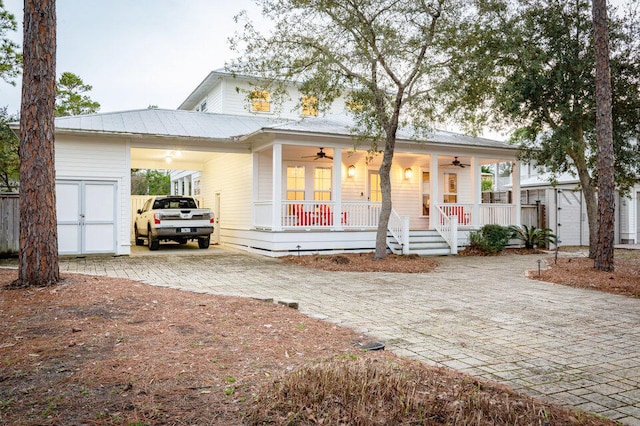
{"points": [[479, 315]]}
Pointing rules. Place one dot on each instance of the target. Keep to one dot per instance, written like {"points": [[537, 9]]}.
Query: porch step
{"points": [[423, 243]]}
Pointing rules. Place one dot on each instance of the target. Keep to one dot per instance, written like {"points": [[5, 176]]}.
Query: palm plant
{"points": [[533, 237]]}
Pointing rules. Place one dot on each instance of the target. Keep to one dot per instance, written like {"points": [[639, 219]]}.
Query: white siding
{"points": [[231, 176], [80, 158], [265, 176], [214, 99], [229, 96]]}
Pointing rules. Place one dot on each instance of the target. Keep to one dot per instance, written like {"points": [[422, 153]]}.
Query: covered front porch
{"points": [[301, 188]]}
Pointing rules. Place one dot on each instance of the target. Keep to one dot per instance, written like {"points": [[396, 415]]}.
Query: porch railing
{"points": [[361, 214], [364, 215], [447, 227], [464, 212], [497, 214], [317, 215], [399, 228]]}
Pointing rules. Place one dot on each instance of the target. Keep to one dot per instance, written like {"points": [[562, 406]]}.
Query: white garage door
{"points": [[86, 217]]}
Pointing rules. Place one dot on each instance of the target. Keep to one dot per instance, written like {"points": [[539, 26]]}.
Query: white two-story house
{"points": [[280, 179]]}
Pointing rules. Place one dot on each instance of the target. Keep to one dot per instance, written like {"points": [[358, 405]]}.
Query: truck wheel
{"points": [[203, 242], [154, 243], [139, 241]]}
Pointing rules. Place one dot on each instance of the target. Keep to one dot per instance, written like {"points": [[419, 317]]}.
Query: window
{"points": [[450, 188], [375, 193], [203, 106], [174, 203], [322, 184], [310, 106], [426, 193], [354, 106], [295, 183], [260, 101]]}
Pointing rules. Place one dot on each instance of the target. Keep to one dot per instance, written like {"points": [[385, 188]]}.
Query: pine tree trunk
{"points": [[38, 229], [604, 137]]}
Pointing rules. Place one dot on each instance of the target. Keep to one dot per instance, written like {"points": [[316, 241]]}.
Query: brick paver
{"points": [[573, 347]]}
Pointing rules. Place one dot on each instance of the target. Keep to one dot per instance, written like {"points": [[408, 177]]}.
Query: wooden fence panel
{"points": [[9, 224]]}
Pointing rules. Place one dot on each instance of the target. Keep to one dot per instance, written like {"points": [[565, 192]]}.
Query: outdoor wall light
{"points": [[351, 171], [168, 158], [408, 173]]}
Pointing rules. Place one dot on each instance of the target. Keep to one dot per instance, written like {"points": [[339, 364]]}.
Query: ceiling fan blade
{"points": [[329, 157]]}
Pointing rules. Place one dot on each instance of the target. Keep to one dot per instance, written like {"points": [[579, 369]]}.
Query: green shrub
{"points": [[490, 238], [533, 237]]}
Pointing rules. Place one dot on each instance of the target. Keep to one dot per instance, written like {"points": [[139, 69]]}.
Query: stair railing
{"points": [[399, 228], [447, 227]]}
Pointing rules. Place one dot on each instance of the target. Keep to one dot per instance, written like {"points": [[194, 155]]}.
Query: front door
{"points": [[86, 217]]}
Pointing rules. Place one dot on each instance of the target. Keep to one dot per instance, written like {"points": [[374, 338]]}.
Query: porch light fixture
{"points": [[168, 159], [408, 173], [351, 171]]}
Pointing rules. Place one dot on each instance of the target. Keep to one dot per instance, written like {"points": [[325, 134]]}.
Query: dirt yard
{"points": [[110, 351]]}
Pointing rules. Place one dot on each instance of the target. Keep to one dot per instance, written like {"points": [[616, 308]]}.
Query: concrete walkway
{"points": [[482, 316]]}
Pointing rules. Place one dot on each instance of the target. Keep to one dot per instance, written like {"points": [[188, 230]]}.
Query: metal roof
{"points": [[168, 123], [341, 125], [230, 128]]}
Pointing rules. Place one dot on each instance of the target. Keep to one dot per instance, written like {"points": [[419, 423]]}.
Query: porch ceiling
{"points": [[295, 153]]}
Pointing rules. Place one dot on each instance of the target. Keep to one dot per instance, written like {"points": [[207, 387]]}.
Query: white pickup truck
{"points": [[173, 218]]}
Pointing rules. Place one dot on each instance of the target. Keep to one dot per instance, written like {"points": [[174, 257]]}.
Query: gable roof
{"points": [[168, 123]]}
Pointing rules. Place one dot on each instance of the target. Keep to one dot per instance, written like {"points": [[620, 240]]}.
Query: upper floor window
{"points": [[260, 101], [354, 106], [309, 106], [203, 106]]}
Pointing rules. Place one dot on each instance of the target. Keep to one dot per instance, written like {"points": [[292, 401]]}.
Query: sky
{"points": [[137, 53]]}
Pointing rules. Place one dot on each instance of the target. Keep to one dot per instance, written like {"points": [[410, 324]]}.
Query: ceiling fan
{"points": [[457, 163], [319, 155]]}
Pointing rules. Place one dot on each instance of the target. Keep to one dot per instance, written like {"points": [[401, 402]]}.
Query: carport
{"points": [[94, 157]]}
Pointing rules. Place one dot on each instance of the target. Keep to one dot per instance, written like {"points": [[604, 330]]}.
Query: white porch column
{"points": [[276, 208], [187, 185], [515, 180], [255, 194], [337, 189], [476, 186], [435, 194]]}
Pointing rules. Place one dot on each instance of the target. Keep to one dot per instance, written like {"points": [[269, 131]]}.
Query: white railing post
{"points": [[454, 235], [405, 234], [276, 189], [476, 182], [337, 189], [516, 192]]}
